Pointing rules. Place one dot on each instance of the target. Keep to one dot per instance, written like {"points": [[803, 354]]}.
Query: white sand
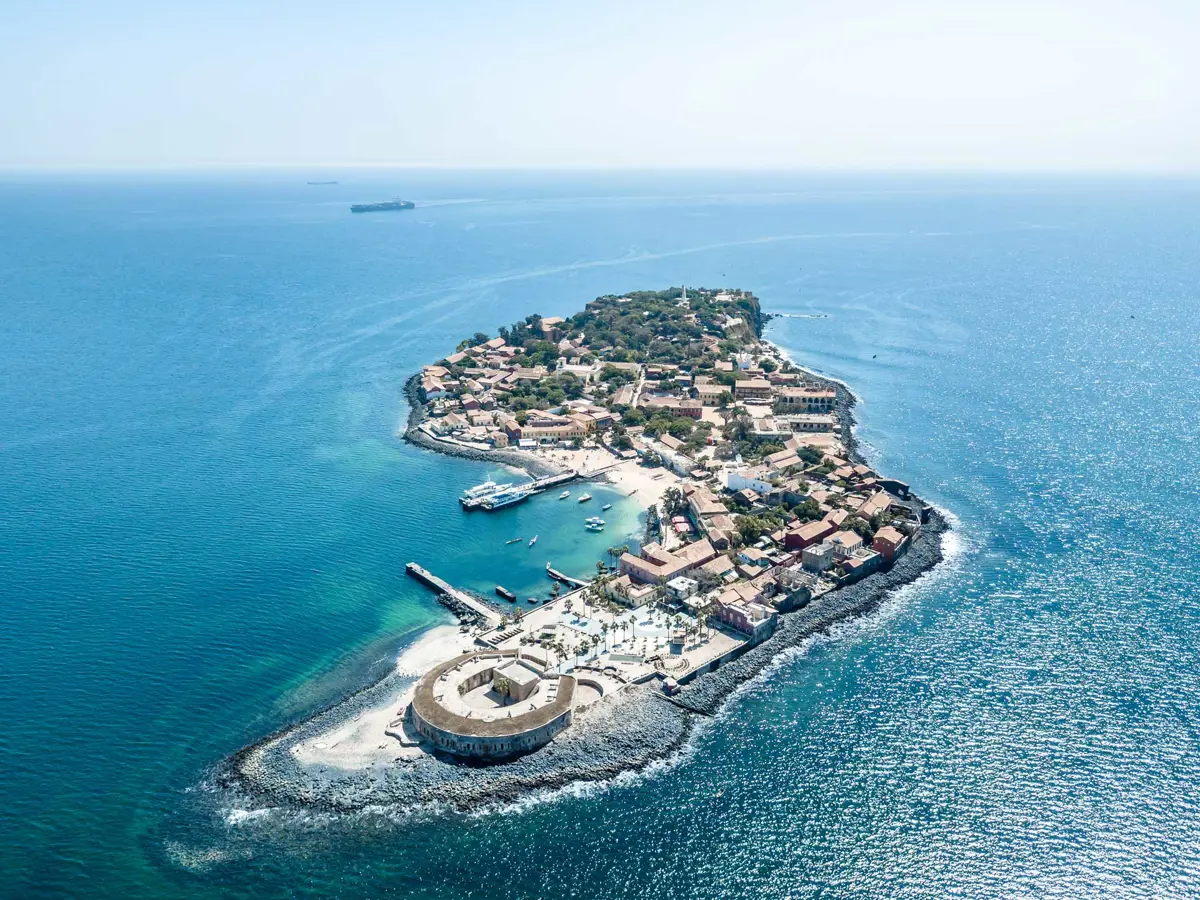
{"points": [[363, 741], [644, 485]]}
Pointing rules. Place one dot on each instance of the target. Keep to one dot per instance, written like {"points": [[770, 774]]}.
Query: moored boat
{"points": [[505, 498], [585, 498], [533, 540], [564, 495], [606, 506], [516, 540], [505, 593]]}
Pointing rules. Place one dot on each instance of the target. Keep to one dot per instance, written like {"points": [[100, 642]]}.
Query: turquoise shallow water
{"points": [[206, 515]]}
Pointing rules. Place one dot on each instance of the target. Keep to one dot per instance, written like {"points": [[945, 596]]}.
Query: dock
{"points": [[565, 579], [427, 578], [531, 487]]}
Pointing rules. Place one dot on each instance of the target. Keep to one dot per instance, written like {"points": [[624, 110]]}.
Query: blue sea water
{"points": [[205, 515]]}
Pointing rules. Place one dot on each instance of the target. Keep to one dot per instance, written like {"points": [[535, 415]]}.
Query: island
{"points": [[763, 526]]}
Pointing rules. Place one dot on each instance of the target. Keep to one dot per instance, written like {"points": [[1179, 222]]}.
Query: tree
{"points": [[674, 503], [810, 455], [502, 686], [633, 416]]}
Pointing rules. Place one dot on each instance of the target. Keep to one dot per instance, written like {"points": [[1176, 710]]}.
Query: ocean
{"points": [[205, 512]]}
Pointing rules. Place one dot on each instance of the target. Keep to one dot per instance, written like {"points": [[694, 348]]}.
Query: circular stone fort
{"points": [[491, 705]]}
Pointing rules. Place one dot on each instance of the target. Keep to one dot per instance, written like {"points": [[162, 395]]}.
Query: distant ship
{"points": [[322, 182], [383, 206]]}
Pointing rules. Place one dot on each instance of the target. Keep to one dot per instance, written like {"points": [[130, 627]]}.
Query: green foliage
{"points": [[860, 526], [751, 528], [808, 511], [810, 455], [551, 391], [674, 503], [633, 416], [474, 341], [615, 377]]}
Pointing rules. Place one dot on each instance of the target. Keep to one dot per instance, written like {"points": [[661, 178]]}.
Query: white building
{"points": [[755, 479], [681, 587]]}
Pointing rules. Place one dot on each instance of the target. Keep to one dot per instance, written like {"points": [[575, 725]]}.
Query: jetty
{"points": [[528, 489], [565, 579], [464, 598]]}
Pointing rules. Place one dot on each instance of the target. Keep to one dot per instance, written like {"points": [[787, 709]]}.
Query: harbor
{"points": [[491, 496]]}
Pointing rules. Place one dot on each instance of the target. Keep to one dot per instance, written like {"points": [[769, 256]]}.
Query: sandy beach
{"points": [[362, 741], [645, 485]]}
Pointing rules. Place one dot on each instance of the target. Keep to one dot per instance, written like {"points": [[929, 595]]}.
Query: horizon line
{"points": [[149, 168]]}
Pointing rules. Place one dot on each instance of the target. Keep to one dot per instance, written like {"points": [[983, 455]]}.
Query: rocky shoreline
{"points": [[625, 733], [535, 466]]}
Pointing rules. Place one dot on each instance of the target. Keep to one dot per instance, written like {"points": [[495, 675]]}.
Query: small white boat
{"points": [[564, 495], [533, 540], [585, 498], [606, 506]]}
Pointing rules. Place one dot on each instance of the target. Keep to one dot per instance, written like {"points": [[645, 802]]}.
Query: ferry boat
{"points": [[533, 540], [382, 206], [585, 498], [564, 495], [482, 490], [505, 593], [504, 498]]}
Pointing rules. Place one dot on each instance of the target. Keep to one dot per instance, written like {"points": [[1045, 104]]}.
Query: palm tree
{"points": [[604, 631]]}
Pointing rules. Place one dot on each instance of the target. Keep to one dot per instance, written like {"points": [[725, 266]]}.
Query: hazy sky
{"points": [[1008, 84]]}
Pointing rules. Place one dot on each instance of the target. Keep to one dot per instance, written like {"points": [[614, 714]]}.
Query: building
{"points": [[889, 543], [711, 394], [756, 479], [677, 406], [809, 422], [749, 617], [752, 389], [680, 588], [623, 590], [443, 713], [805, 400], [552, 329], [658, 566], [846, 542], [516, 679], [752, 556], [861, 563], [807, 535], [818, 557]]}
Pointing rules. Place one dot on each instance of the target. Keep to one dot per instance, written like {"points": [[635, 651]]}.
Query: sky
{"points": [[1051, 85]]}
